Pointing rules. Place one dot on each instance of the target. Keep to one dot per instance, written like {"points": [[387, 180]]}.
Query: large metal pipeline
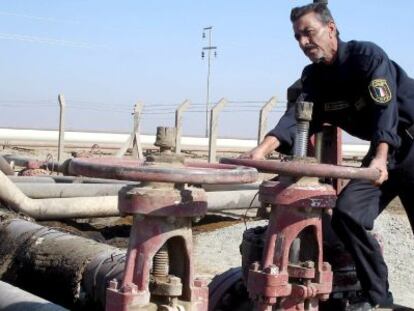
{"points": [[69, 270], [43, 190], [225, 199], [66, 269], [16, 299]]}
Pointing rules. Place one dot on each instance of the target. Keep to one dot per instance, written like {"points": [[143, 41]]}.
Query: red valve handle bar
{"points": [[298, 169]]}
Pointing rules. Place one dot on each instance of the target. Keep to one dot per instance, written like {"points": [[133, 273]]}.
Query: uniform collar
{"points": [[341, 56], [342, 53]]}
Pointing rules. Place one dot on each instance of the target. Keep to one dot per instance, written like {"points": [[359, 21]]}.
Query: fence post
{"points": [[212, 143], [136, 145], [264, 114], [134, 138], [61, 142], [179, 123]]}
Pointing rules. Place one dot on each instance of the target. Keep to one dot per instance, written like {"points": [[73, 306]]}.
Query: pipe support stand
{"points": [[295, 207], [162, 216]]}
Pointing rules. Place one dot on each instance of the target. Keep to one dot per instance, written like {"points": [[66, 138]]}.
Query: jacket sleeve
{"points": [[382, 90]]}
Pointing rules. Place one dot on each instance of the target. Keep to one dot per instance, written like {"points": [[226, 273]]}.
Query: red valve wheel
{"points": [[191, 172], [303, 168]]}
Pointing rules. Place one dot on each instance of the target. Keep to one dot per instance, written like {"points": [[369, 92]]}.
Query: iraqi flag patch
{"points": [[380, 91]]}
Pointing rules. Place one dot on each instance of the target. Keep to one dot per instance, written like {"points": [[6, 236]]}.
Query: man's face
{"points": [[317, 41]]}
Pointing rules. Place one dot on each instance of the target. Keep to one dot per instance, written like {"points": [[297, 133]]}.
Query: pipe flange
{"points": [[171, 286]]}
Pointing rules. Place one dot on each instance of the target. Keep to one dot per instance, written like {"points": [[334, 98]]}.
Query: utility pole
{"points": [[209, 50]]}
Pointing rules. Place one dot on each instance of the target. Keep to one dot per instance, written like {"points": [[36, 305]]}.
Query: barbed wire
{"points": [[98, 109], [246, 101], [157, 109], [25, 106]]}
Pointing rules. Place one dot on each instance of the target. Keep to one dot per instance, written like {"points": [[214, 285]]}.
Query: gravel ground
{"points": [[218, 250], [398, 252]]}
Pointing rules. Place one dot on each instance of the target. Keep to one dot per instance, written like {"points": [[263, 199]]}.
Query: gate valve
{"points": [[159, 265], [297, 202], [296, 212]]}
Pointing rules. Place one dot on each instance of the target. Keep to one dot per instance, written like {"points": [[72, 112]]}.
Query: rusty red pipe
{"points": [[300, 168]]}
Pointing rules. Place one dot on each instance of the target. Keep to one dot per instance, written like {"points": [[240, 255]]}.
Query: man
{"points": [[354, 85]]}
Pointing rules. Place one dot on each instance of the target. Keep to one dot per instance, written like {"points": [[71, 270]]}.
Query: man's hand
{"points": [[381, 166], [379, 162], [254, 154], [269, 144]]}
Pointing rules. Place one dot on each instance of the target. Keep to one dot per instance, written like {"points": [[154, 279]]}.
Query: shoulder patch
{"points": [[380, 91]]}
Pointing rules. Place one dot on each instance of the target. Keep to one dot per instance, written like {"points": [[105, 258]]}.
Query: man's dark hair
{"points": [[320, 9]]}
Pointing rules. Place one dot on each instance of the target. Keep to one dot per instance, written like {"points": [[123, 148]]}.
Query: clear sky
{"points": [[105, 55]]}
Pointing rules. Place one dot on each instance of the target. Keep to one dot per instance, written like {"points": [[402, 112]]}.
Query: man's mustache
{"points": [[308, 47]]}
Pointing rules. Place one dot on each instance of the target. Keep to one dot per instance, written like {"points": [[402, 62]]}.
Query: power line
{"points": [[49, 41], [209, 50]]}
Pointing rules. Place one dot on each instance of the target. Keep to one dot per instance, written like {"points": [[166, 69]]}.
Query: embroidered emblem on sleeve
{"points": [[380, 91]]}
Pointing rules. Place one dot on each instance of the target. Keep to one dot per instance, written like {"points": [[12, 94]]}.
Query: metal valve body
{"points": [[159, 273]]}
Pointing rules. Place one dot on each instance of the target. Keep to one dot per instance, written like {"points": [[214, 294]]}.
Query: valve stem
{"points": [[303, 118], [161, 263]]}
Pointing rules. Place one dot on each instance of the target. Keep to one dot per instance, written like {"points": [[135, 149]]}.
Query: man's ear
{"points": [[332, 29]]}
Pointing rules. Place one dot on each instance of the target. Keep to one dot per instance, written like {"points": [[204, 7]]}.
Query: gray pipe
{"points": [[43, 190], [216, 200], [226, 198], [32, 179], [16, 299], [46, 209]]}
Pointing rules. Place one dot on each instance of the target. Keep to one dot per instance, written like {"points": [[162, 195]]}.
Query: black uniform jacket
{"points": [[362, 92]]}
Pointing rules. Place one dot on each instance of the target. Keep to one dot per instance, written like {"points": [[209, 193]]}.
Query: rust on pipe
{"points": [[300, 168], [191, 172], [31, 163]]}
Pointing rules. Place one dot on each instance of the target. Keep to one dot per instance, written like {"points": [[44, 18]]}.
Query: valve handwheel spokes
{"points": [[189, 172]]}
